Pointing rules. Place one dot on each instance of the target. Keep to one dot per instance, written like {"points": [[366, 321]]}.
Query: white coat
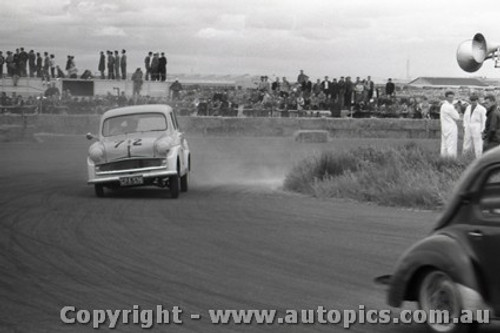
{"points": [[449, 131], [473, 129]]}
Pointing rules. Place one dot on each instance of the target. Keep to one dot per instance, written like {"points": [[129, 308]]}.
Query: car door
{"points": [[179, 138], [484, 233], [184, 144]]}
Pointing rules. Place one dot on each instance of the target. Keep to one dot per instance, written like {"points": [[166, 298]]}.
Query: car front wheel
{"points": [[99, 190], [174, 186], [439, 292], [184, 182]]}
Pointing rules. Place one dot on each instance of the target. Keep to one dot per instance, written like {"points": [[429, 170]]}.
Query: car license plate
{"points": [[131, 181]]}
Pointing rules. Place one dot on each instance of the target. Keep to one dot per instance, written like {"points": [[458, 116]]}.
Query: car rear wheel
{"points": [[174, 186], [99, 190], [439, 292]]}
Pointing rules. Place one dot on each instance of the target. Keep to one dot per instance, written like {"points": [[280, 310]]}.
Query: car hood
{"points": [[132, 145]]}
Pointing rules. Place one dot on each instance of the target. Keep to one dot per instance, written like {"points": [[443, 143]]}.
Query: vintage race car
{"points": [[457, 267], [137, 146]]}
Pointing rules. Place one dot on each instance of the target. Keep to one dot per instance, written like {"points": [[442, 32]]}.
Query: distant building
{"points": [[207, 80], [450, 82]]}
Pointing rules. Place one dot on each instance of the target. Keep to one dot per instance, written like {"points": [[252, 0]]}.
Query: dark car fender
{"points": [[437, 251]]}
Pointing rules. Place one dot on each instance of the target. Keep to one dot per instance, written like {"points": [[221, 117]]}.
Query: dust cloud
{"points": [[245, 161]]}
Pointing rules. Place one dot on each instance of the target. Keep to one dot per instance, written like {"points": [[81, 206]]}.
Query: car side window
{"points": [[174, 117], [494, 176], [489, 201]]}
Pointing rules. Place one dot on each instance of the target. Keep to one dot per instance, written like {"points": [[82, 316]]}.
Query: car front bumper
{"points": [[113, 177], [116, 178]]}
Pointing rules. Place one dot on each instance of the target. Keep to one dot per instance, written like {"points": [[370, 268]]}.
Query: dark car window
{"points": [[174, 117], [132, 123], [173, 121], [489, 200], [494, 177]]}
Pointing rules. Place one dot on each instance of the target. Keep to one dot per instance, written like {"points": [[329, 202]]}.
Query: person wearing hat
{"points": [[474, 123]]}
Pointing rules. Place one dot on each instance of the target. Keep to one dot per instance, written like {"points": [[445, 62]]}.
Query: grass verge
{"points": [[408, 175]]}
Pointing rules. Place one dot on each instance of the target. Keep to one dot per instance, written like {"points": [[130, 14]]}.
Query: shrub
{"points": [[408, 175]]}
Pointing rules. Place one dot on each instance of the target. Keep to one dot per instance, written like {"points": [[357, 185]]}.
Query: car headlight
{"points": [[96, 152], [163, 146]]}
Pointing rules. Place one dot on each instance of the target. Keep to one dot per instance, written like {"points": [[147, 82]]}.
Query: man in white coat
{"points": [[474, 123], [449, 131]]}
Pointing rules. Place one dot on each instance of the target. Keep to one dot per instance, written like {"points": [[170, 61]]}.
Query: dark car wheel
{"points": [[185, 178], [184, 182], [99, 190], [439, 292], [174, 186]]}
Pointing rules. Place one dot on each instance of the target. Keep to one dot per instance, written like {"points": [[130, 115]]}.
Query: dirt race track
{"points": [[234, 241]]}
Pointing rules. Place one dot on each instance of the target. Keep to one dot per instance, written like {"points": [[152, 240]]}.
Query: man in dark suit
{"points": [[147, 65], [371, 88], [111, 66], [334, 90], [301, 78], [117, 65], [68, 62], [306, 92], [341, 96], [390, 88], [491, 134], [2, 61], [123, 64], [102, 64], [155, 61], [162, 67], [39, 65], [175, 89], [275, 86], [349, 89], [335, 107], [32, 63], [23, 62]]}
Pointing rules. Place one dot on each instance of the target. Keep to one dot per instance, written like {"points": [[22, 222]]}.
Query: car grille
{"points": [[130, 164]]}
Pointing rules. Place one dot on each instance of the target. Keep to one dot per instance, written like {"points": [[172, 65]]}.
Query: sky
{"points": [[381, 38]]}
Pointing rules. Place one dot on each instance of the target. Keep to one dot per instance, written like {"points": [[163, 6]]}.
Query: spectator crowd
{"points": [[281, 98], [334, 95], [359, 98], [32, 64], [112, 65], [55, 102]]}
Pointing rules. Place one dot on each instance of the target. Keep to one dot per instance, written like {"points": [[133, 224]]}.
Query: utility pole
{"points": [[408, 69]]}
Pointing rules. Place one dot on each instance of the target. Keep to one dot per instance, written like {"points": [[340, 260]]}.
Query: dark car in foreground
{"points": [[457, 267]]}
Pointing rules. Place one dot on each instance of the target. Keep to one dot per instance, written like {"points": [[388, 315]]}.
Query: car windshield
{"points": [[132, 123]]}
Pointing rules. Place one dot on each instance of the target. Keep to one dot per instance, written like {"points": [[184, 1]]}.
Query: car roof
{"points": [[146, 108], [489, 158]]}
